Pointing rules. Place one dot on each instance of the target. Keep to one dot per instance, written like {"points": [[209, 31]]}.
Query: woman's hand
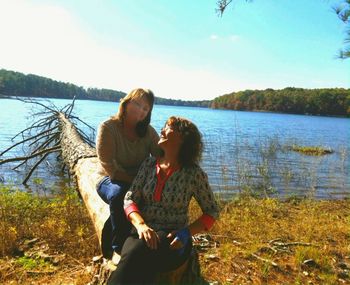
{"points": [[149, 235], [175, 242], [179, 238]]}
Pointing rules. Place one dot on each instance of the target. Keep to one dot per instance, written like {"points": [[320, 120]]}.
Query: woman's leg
{"points": [[113, 192], [169, 259], [139, 264], [135, 265]]}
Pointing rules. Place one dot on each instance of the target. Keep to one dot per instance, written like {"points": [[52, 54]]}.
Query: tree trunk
{"points": [[82, 162]]}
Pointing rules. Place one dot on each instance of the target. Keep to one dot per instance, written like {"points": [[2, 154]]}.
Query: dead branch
{"points": [[38, 103], [51, 136], [34, 167], [56, 148], [274, 264], [28, 139], [37, 124]]}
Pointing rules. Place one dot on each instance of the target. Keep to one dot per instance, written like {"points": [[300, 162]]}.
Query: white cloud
{"points": [[214, 37], [48, 41]]}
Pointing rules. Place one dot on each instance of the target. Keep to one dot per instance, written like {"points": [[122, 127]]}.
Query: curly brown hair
{"points": [[192, 145]]}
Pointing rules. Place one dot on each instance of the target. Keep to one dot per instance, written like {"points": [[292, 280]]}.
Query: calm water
{"points": [[241, 148]]}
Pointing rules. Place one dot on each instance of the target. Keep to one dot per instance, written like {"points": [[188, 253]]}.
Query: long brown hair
{"points": [[192, 145], [141, 127]]}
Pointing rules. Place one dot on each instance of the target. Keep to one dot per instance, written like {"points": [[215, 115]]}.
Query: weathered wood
{"points": [[82, 162]]}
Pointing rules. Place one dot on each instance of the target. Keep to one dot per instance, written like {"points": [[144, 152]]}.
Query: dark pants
{"points": [[117, 227], [139, 264]]}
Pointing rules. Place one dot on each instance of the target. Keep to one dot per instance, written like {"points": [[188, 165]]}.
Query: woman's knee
{"points": [[134, 247], [112, 192]]}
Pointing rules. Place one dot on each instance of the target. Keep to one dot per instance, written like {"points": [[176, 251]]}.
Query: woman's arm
{"points": [[134, 198], [105, 146], [206, 200]]}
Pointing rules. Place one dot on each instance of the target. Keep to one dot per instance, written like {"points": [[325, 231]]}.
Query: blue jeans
{"points": [[117, 227]]}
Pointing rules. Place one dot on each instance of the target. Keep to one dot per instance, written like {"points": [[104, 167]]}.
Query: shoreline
{"points": [[222, 109]]}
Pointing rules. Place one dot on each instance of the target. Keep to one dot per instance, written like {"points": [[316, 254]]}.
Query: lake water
{"points": [[243, 150]]}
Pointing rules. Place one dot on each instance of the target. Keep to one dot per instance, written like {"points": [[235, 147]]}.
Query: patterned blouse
{"points": [[170, 211]]}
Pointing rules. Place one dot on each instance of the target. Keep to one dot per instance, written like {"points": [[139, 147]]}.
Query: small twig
{"points": [[274, 264], [38, 103], [299, 243], [85, 137], [44, 136], [70, 109], [76, 118]]}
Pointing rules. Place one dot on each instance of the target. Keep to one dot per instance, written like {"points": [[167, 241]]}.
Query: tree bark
{"points": [[81, 160]]}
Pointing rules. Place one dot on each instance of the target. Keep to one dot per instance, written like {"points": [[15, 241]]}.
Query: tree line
{"points": [[326, 101], [18, 84]]}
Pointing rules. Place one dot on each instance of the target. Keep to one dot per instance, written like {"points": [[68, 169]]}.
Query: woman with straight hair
{"points": [[157, 205], [123, 142]]}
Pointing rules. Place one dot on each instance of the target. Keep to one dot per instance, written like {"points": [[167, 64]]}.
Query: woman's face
{"points": [[137, 110], [170, 138]]}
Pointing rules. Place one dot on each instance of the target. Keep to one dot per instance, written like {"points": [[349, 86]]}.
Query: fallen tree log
{"points": [[82, 162]]}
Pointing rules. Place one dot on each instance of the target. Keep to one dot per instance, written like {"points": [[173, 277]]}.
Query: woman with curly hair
{"points": [[157, 205]]}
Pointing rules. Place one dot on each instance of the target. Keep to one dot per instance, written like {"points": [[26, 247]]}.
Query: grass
{"points": [[65, 234], [311, 150], [260, 241], [267, 241]]}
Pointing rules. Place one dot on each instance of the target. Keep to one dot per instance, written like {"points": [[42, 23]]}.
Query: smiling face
{"points": [[170, 138], [182, 137]]}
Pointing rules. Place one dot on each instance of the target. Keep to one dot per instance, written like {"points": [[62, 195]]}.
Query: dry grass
{"points": [[266, 241], [261, 241], [66, 241]]}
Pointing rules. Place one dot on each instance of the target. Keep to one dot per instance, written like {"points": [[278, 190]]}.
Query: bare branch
{"points": [[38, 103], [35, 166], [222, 4], [28, 139], [76, 118], [44, 144], [274, 264], [55, 148], [34, 125], [70, 109], [44, 136]]}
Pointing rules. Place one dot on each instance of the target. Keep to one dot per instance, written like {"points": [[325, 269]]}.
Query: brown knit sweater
{"points": [[116, 153]]}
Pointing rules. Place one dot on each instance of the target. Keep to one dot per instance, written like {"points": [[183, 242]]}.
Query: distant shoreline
{"points": [[2, 96]]}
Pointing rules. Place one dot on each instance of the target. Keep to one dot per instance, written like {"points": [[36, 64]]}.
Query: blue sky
{"points": [[180, 49]]}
